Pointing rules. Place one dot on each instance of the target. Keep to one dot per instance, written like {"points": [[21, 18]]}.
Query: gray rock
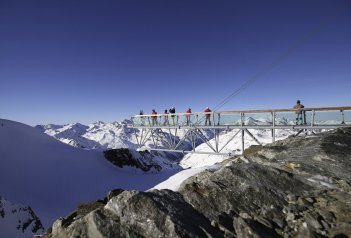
{"points": [[299, 187], [139, 214]]}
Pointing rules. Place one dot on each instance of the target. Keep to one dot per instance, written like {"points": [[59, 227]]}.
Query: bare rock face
{"points": [[142, 160], [138, 214], [299, 187]]}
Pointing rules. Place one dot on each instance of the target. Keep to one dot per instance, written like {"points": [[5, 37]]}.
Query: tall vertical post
{"points": [[312, 121], [193, 140], [216, 139], [273, 125], [342, 117], [242, 133]]}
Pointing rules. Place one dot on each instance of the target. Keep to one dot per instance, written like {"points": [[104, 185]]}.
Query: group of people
{"points": [[172, 112], [300, 115]]}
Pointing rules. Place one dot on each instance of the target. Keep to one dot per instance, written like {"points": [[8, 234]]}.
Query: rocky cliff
{"points": [[298, 187]]}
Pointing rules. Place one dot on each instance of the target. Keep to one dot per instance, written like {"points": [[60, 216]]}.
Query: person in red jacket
{"points": [[208, 116], [188, 112], [154, 117]]}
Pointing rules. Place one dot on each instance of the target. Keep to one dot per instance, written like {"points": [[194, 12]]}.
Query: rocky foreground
{"points": [[298, 187]]}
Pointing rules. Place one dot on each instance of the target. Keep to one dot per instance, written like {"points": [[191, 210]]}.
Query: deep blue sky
{"points": [[65, 61]]}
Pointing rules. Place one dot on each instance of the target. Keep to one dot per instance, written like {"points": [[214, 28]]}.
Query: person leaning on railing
{"points": [[154, 117], [188, 112], [300, 114], [208, 116], [142, 119], [172, 111], [165, 123]]}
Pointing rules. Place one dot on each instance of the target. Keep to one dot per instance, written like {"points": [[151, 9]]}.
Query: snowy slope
{"points": [[173, 183], [52, 177], [17, 220]]}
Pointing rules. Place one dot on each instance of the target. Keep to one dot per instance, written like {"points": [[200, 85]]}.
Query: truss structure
{"points": [[182, 132]]}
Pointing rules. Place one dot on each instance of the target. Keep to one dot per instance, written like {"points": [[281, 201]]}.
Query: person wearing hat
{"points": [[208, 116], [299, 113]]}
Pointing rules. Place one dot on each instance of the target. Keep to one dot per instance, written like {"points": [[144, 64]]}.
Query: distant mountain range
{"points": [[102, 136]]}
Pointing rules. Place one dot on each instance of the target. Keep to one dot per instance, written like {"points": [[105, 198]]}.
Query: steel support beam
{"points": [[160, 136]]}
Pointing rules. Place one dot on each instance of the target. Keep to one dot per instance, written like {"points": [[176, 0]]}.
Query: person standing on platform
{"points": [[154, 117], [208, 116], [142, 119], [300, 114], [172, 111], [188, 112], [166, 122]]}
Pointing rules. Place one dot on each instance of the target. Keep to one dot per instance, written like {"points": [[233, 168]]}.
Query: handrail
{"points": [[250, 111]]}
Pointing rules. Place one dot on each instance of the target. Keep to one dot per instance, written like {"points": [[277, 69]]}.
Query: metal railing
{"points": [[162, 131], [325, 116]]}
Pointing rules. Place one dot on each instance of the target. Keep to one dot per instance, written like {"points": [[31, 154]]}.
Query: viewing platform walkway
{"points": [[155, 128]]}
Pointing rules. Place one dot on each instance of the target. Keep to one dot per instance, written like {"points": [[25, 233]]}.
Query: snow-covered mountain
{"points": [[17, 220], [53, 178], [118, 135], [103, 136], [98, 136]]}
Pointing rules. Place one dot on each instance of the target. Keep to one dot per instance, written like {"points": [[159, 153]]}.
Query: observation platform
{"points": [[156, 127]]}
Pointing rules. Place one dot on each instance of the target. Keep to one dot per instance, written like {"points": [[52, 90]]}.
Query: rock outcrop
{"points": [[298, 187], [142, 160]]}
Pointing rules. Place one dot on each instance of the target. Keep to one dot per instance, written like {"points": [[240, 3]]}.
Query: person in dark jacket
{"points": [[166, 122], [208, 116], [300, 113], [172, 112], [188, 112], [142, 119]]}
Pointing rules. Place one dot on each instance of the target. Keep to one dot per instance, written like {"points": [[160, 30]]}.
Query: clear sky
{"points": [[64, 61]]}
